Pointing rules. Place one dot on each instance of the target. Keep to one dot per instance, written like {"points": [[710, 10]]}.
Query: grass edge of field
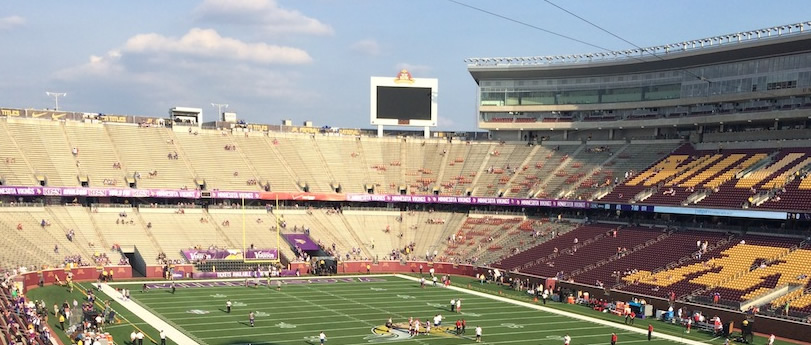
{"points": [[670, 329], [120, 334]]}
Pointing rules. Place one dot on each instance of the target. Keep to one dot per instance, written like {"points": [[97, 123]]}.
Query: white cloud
{"points": [[208, 43], [266, 15], [157, 69], [367, 47], [10, 22]]}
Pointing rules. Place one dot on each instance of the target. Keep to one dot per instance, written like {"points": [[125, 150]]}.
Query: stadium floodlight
{"points": [[219, 107], [56, 96]]}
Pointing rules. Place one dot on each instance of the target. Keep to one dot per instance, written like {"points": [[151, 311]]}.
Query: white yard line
{"points": [[156, 322], [568, 314], [261, 280]]}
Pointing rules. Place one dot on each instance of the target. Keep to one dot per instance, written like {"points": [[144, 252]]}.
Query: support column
{"points": [[565, 135], [427, 132], [379, 131], [611, 134]]}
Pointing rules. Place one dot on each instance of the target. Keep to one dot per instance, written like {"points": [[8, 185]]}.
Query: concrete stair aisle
{"points": [[472, 167], [20, 251], [488, 187], [145, 149], [424, 162], [568, 191], [335, 153], [511, 183], [458, 156], [260, 234], [489, 184], [47, 151], [353, 234], [433, 237], [369, 228], [264, 160], [321, 229], [540, 164], [298, 151], [177, 232], [334, 225], [15, 169], [325, 169], [251, 167], [85, 225], [522, 241], [403, 164], [581, 162], [35, 236], [637, 157], [81, 243], [363, 170], [222, 235], [444, 163], [221, 169], [558, 165], [128, 234], [97, 156], [380, 155], [281, 163]]}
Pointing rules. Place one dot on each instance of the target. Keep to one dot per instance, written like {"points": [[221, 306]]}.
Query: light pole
{"points": [[219, 107], [56, 96]]}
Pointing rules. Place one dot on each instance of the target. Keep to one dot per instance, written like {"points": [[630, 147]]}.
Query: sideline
{"points": [[567, 314], [242, 279], [148, 317]]}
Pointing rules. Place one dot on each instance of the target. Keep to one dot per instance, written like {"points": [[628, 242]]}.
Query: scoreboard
{"points": [[404, 101]]}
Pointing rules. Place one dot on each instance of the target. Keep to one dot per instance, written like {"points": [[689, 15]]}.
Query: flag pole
{"points": [[278, 231], [243, 229]]}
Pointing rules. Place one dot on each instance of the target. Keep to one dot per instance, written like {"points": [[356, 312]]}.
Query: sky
{"points": [[272, 60]]}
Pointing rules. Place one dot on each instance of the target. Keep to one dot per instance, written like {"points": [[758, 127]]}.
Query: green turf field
{"points": [[348, 312], [126, 321]]}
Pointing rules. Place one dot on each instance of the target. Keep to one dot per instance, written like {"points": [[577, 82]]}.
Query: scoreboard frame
{"points": [[403, 80]]}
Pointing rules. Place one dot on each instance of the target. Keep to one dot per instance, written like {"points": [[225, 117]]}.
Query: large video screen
{"points": [[404, 103]]}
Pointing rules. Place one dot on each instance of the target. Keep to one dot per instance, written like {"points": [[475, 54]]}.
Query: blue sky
{"points": [[311, 60]]}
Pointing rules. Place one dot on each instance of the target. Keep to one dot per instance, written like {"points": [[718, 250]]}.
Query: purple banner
{"points": [[469, 200], [196, 194], [239, 274], [101, 192], [234, 195], [212, 254], [301, 241], [261, 254]]}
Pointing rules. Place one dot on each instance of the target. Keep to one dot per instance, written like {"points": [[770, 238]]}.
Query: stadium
{"points": [[666, 184]]}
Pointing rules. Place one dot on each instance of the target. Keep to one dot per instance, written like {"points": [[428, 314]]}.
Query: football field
{"points": [[354, 310]]}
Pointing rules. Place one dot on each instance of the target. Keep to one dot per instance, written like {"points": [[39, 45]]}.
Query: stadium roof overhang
{"points": [[721, 54]]}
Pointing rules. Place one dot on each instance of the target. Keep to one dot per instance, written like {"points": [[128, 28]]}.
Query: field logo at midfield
{"points": [[399, 332], [198, 311], [511, 325]]}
